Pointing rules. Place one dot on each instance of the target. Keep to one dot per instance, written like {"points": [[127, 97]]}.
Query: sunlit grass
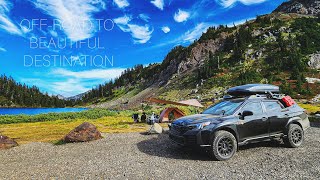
{"points": [[311, 108], [52, 131]]}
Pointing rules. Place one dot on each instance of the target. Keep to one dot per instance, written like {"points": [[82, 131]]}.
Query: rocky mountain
{"points": [[75, 98], [59, 96], [310, 7]]}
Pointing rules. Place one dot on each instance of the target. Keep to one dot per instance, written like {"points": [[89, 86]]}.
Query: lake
{"points": [[35, 111]]}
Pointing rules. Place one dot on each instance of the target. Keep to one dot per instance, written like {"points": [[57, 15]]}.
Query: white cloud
{"points": [[249, 2], [70, 83], [140, 34], [105, 74], [3, 49], [76, 16], [69, 87], [181, 16], [65, 87], [230, 3], [144, 17], [158, 3], [53, 33], [121, 3], [165, 29], [5, 22], [100, 3], [187, 37], [122, 23], [122, 20]]}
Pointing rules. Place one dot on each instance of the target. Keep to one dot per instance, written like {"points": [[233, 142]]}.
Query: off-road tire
{"points": [[295, 136], [223, 147]]}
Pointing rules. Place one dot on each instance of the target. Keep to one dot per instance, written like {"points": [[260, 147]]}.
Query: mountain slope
{"points": [[311, 7], [274, 48]]}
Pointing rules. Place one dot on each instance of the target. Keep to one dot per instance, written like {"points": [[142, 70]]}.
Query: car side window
{"points": [[272, 106], [254, 107]]}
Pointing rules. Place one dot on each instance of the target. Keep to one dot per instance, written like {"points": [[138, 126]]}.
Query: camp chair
{"points": [[155, 128]]}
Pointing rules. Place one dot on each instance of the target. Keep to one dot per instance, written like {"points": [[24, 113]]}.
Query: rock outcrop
{"points": [[6, 142], [314, 61], [309, 7], [83, 133], [181, 60], [199, 53]]}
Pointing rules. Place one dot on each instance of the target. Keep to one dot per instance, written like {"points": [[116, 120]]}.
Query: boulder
{"points": [[6, 142], [83, 133]]}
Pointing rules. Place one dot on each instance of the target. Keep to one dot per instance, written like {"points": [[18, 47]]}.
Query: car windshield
{"points": [[224, 107]]}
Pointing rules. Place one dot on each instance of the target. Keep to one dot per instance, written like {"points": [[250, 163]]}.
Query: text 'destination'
{"points": [[68, 61]]}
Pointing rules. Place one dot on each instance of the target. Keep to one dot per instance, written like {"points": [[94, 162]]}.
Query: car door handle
{"points": [[264, 119]]}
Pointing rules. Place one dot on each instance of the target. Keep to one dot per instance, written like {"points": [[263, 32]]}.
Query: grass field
{"points": [[311, 108], [53, 131], [53, 127]]}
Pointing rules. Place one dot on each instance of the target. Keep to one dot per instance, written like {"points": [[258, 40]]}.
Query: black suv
{"points": [[253, 113]]}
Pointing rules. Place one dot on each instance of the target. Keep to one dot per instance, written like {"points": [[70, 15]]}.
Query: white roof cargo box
{"points": [[251, 89]]}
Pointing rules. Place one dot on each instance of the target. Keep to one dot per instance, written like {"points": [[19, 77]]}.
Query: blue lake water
{"points": [[35, 111]]}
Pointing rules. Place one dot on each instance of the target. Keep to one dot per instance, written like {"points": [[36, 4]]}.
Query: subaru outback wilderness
{"points": [[250, 113]]}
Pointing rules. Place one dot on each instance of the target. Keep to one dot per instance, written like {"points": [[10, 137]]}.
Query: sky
{"points": [[68, 47]]}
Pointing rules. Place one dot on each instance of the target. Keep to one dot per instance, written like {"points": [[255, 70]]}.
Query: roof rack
{"points": [[252, 89], [268, 95], [275, 96]]}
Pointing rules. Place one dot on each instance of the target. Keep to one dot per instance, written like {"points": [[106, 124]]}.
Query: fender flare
{"points": [[230, 128], [294, 120]]}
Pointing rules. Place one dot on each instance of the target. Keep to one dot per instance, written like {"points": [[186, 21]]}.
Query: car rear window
{"points": [[272, 106]]}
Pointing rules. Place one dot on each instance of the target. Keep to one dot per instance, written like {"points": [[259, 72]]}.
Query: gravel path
{"points": [[137, 156]]}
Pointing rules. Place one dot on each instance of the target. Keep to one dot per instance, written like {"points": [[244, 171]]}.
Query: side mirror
{"points": [[245, 113]]}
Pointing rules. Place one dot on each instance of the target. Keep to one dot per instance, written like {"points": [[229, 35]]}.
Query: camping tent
{"points": [[175, 112], [164, 116]]}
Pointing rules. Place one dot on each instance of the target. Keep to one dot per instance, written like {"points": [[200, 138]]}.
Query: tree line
{"points": [[16, 94]]}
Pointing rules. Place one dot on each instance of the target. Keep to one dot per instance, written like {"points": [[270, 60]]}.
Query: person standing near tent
{"points": [[135, 118], [152, 118], [143, 117]]}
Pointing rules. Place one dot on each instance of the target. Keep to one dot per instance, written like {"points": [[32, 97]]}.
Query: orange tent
{"points": [[174, 112]]}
